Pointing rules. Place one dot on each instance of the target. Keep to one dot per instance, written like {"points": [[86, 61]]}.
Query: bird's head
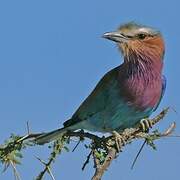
{"points": [[139, 39]]}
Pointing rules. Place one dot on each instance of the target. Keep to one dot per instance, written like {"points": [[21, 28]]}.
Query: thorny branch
{"points": [[129, 135], [103, 150]]}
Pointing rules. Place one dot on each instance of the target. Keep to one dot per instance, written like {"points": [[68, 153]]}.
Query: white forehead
{"points": [[132, 29], [145, 30]]}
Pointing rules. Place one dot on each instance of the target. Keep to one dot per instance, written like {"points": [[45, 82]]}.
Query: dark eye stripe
{"points": [[139, 36]]}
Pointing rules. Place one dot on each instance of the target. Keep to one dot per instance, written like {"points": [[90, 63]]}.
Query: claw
{"points": [[119, 140], [145, 125]]}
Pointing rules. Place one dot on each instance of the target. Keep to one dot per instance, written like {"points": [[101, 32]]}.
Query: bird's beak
{"points": [[115, 36]]}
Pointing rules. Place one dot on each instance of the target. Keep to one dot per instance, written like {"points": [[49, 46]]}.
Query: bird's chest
{"points": [[141, 92]]}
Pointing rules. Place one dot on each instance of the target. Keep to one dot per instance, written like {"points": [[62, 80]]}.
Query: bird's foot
{"points": [[145, 125], [119, 140]]}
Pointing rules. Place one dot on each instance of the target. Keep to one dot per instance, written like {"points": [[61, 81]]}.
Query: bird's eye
{"points": [[141, 36]]}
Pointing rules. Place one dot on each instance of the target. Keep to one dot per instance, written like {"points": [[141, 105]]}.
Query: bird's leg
{"points": [[119, 140], [145, 125]]}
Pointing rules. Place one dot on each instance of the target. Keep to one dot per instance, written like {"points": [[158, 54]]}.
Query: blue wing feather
{"points": [[164, 82]]}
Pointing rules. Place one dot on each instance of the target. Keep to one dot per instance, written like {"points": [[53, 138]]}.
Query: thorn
{"points": [[140, 150], [76, 145], [28, 128], [43, 162], [16, 174], [87, 160], [5, 167]]}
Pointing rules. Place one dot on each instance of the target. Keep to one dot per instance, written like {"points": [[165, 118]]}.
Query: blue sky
{"points": [[51, 57]]}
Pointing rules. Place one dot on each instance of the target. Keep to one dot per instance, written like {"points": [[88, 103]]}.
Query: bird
{"points": [[126, 94]]}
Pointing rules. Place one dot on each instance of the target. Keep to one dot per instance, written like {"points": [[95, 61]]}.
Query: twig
{"points": [[169, 130], [46, 169], [165, 134], [57, 148]]}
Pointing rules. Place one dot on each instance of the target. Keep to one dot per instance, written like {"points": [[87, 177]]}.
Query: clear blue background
{"points": [[51, 57]]}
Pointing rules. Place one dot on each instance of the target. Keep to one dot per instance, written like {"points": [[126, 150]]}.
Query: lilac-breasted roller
{"points": [[127, 93]]}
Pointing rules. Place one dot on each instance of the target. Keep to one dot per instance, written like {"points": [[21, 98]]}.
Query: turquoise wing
{"points": [[96, 102]]}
